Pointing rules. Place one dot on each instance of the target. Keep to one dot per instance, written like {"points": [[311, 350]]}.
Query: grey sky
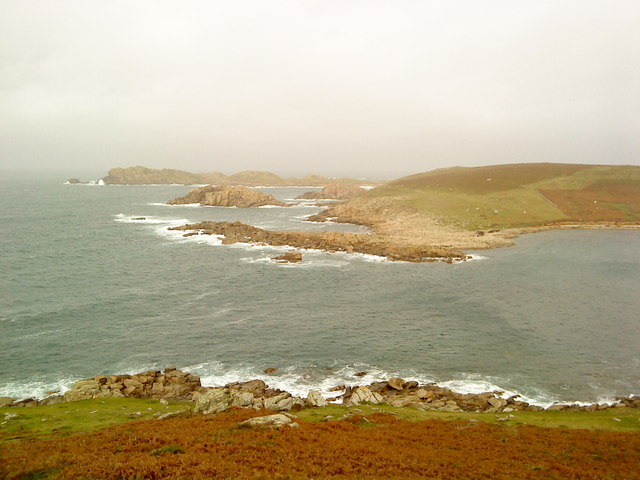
{"points": [[332, 87]]}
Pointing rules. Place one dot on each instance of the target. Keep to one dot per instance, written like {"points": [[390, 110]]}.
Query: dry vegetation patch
{"points": [[374, 446]]}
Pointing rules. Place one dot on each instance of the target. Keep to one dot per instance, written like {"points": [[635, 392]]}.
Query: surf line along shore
{"points": [[174, 384]]}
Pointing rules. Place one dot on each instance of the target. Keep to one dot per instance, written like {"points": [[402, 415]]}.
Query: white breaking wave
{"points": [[38, 387], [299, 380], [150, 220]]}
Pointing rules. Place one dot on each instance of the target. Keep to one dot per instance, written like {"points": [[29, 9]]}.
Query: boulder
{"points": [[270, 370], [315, 399], [256, 387], [364, 395], [84, 390], [51, 400], [396, 383], [276, 420], [281, 402], [27, 402], [498, 403], [424, 394], [6, 401]]}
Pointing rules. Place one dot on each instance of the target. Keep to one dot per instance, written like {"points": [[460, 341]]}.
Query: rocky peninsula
{"points": [[237, 232], [227, 196]]}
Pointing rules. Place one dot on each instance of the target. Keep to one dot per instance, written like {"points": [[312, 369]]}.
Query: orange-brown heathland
{"points": [[215, 446]]}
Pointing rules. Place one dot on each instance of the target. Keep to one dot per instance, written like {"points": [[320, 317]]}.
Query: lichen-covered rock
{"points": [[281, 402], [276, 420], [364, 395]]}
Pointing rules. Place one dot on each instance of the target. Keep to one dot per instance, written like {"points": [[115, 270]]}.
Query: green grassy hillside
{"points": [[518, 195]]}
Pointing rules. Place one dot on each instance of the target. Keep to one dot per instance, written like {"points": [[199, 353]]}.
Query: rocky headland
{"points": [[174, 384], [237, 232], [149, 176], [335, 191], [227, 196]]}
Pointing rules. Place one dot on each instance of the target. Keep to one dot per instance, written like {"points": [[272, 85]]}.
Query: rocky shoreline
{"points": [[237, 232], [174, 384]]}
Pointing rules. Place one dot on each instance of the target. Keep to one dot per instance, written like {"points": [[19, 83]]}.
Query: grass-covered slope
{"points": [[364, 442], [519, 195]]}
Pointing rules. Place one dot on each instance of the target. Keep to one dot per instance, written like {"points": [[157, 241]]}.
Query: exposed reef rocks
{"points": [[327, 241], [335, 191], [289, 257], [227, 196]]}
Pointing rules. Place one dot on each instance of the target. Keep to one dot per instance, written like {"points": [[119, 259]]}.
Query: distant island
{"points": [[148, 176], [435, 215]]}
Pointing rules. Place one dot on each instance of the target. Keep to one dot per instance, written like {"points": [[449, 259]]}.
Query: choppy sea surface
{"points": [[86, 289]]}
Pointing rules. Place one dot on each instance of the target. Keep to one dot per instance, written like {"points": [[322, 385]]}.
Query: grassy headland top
{"points": [[519, 195]]}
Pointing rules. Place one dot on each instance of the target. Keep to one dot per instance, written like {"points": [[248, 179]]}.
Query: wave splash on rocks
{"points": [[174, 384]]}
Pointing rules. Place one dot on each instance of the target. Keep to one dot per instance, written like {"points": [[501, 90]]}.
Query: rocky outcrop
{"points": [[214, 400], [172, 384], [227, 196], [289, 257], [328, 241], [73, 180], [363, 395], [335, 191]]}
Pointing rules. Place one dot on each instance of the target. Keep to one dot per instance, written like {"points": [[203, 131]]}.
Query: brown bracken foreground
{"points": [[377, 446]]}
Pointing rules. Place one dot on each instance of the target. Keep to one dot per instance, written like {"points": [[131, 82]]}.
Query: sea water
{"points": [[87, 287]]}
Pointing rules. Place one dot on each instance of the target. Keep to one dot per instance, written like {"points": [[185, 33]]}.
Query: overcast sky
{"points": [[334, 87]]}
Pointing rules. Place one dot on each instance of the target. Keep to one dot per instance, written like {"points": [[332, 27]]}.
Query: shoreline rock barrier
{"points": [[174, 384]]}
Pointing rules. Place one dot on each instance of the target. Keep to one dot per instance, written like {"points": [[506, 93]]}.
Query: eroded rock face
{"points": [[235, 232], [227, 196], [335, 191]]}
